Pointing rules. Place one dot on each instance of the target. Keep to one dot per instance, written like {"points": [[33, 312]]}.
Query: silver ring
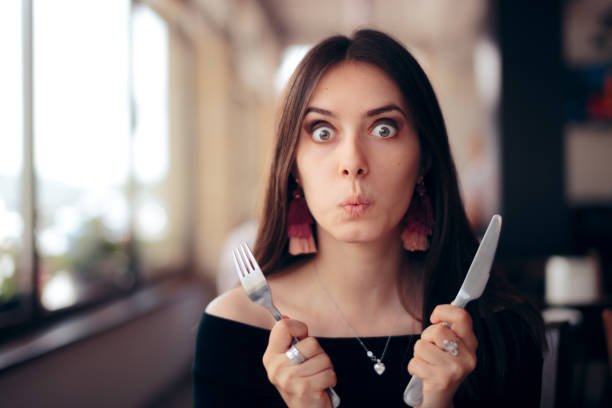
{"points": [[451, 346], [295, 355]]}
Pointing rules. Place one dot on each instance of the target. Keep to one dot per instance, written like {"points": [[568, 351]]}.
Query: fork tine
{"points": [[243, 267], [250, 255], [239, 270], [247, 262]]}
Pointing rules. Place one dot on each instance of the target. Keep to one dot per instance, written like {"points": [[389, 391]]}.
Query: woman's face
{"points": [[358, 156]]}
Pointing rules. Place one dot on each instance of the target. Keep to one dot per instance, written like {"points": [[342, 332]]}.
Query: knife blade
{"points": [[473, 285]]}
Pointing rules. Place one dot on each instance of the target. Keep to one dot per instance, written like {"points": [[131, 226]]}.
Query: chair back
{"points": [[558, 366], [607, 323]]}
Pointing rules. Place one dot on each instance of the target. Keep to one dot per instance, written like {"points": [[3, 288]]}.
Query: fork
{"points": [[255, 285]]}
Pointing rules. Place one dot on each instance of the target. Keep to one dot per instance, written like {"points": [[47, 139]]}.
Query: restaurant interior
{"points": [[116, 233]]}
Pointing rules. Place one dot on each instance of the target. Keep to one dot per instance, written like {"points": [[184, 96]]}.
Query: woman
{"points": [[366, 281]]}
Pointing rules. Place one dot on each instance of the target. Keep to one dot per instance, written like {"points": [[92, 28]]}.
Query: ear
{"points": [[295, 174]]}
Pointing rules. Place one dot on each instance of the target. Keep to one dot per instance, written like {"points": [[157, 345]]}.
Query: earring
{"points": [[299, 232], [418, 220]]}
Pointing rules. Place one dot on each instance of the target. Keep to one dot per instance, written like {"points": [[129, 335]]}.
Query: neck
{"points": [[361, 278]]}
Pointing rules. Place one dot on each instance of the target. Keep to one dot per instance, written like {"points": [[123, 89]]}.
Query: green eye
{"points": [[322, 134], [384, 131]]}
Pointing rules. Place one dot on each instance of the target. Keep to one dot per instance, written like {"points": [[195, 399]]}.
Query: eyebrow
{"points": [[386, 108], [372, 112], [319, 110]]}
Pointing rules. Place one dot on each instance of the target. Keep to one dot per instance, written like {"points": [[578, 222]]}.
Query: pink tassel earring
{"points": [[299, 232], [418, 221]]}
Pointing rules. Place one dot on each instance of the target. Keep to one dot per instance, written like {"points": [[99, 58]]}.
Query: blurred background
{"points": [[134, 142]]}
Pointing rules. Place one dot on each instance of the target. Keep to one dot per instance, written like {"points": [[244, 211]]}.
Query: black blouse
{"points": [[228, 369]]}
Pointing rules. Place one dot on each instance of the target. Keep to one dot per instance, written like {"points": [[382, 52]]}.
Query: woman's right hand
{"points": [[300, 385]]}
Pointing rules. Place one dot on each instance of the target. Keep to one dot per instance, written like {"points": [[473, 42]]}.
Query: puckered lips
{"points": [[355, 206]]}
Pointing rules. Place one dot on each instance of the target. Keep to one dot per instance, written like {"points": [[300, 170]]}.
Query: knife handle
{"points": [[413, 394]]}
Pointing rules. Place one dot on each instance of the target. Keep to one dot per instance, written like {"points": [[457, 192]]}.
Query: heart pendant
{"points": [[379, 368]]}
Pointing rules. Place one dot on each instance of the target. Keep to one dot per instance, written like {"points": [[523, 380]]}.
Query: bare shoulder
{"points": [[236, 305]]}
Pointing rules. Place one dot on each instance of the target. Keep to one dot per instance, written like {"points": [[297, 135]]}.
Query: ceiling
{"points": [[423, 23]]}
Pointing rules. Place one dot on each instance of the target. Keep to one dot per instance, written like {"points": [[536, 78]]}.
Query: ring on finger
{"points": [[295, 355], [451, 347]]}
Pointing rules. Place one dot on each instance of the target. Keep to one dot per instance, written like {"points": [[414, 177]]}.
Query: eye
{"points": [[384, 130], [323, 134]]}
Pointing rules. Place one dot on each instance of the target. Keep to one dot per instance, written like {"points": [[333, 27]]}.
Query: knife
{"points": [[472, 288]]}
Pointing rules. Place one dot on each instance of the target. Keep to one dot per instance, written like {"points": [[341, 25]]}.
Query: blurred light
{"points": [[68, 220], [11, 103], [487, 67], [290, 60], [7, 267], [12, 224], [150, 66], [116, 214], [53, 241], [59, 292], [151, 221], [81, 118]]}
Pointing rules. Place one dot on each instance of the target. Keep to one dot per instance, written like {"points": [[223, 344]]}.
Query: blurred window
{"points": [[159, 225], [11, 152], [104, 169], [81, 148]]}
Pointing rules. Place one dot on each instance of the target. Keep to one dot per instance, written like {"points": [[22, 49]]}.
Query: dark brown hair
{"points": [[453, 244]]}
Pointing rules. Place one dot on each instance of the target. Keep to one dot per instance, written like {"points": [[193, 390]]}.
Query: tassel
{"points": [[299, 232], [418, 221]]}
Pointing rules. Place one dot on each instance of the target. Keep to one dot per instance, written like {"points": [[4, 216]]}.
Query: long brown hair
{"points": [[453, 244]]}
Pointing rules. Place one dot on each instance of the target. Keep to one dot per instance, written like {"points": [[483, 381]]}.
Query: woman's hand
{"points": [[440, 370], [300, 385]]}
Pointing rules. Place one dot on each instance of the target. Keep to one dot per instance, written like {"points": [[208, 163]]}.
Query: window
{"points": [[81, 148], [100, 160], [11, 153], [159, 215]]}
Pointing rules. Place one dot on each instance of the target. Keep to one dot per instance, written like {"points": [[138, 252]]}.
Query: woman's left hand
{"points": [[440, 370]]}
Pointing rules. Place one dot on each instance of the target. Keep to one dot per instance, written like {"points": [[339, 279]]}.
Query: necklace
{"points": [[379, 366]]}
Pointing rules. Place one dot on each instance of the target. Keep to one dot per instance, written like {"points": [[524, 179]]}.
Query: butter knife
{"points": [[472, 288]]}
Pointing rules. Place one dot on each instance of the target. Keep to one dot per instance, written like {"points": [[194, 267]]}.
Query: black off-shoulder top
{"points": [[228, 369]]}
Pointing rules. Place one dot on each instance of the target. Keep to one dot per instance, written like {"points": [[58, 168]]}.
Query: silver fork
{"points": [[254, 283]]}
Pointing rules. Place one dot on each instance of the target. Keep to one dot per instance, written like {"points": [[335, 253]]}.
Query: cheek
{"points": [[313, 181], [312, 166], [405, 171], [402, 170]]}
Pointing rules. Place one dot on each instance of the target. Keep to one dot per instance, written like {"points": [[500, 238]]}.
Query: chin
{"points": [[356, 234]]}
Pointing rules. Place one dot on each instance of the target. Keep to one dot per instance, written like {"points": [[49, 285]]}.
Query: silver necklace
{"points": [[379, 366]]}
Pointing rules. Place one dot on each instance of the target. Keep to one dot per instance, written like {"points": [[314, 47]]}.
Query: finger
{"points": [[315, 365], [460, 321], [421, 368], [283, 333], [430, 353], [436, 354], [322, 380], [437, 333], [307, 378], [309, 347]]}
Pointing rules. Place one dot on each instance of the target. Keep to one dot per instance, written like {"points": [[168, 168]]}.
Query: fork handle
{"points": [[277, 315], [333, 397]]}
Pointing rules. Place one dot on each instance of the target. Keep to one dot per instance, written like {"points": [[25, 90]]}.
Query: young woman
{"points": [[364, 241]]}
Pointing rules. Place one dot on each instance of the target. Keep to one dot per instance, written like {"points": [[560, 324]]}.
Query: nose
{"points": [[353, 158]]}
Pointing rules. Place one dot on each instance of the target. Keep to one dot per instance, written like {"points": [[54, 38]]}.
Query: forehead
{"points": [[355, 82]]}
